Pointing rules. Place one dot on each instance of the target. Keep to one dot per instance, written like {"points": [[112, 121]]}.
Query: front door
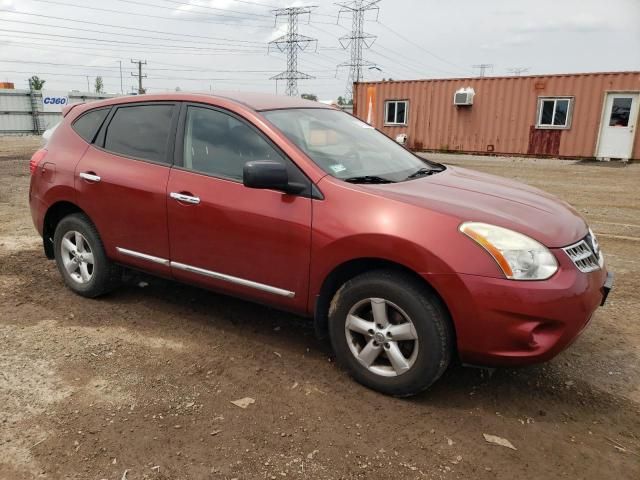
{"points": [[617, 131], [247, 242]]}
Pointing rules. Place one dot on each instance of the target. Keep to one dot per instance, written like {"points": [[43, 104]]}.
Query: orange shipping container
{"points": [[573, 115]]}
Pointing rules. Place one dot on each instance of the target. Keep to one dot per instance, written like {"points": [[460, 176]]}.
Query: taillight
{"points": [[36, 159]]}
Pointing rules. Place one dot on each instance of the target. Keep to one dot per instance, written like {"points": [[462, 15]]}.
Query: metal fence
{"points": [[21, 111]]}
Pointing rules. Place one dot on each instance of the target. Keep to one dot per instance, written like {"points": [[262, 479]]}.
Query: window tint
{"points": [[88, 124], [140, 131], [218, 144]]}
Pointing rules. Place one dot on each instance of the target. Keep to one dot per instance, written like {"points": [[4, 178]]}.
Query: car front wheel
{"points": [[390, 332]]}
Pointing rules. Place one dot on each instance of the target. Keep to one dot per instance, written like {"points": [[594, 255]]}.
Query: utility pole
{"points": [[357, 39], [291, 43], [88, 88], [139, 74], [517, 71], [483, 67], [121, 85]]}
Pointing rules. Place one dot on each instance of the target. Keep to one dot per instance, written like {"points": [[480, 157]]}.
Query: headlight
{"points": [[519, 257]]}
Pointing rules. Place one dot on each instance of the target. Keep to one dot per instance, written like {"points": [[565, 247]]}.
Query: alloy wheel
{"points": [[77, 257], [382, 337]]}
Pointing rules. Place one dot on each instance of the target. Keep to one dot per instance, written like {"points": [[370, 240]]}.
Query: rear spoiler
{"points": [[68, 108]]}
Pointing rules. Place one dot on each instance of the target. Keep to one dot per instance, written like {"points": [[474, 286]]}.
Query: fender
{"points": [[410, 255]]}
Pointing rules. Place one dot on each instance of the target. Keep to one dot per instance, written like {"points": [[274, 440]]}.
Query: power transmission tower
{"points": [[291, 43], [139, 74], [517, 71], [483, 67], [357, 39]]}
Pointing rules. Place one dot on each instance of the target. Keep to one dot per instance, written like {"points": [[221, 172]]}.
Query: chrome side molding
{"points": [[236, 280], [143, 256], [208, 273]]}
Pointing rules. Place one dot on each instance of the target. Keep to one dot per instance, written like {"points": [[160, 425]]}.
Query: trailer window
{"points": [[395, 112], [554, 112]]}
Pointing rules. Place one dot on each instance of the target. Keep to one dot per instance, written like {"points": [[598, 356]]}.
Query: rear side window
{"points": [[88, 124], [140, 131]]}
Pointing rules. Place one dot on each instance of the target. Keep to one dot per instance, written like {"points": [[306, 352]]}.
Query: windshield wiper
{"points": [[423, 172], [367, 179]]}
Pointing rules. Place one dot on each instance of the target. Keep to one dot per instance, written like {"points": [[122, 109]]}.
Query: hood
{"points": [[474, 196]]}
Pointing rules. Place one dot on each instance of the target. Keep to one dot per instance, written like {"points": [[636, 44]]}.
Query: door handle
{"points": [[90, 177], [183, 197]]}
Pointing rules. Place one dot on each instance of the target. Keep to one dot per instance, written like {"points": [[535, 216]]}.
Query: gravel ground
{"points": [[139, 384]]}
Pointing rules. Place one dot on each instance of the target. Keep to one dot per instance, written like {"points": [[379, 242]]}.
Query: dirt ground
{"points": [[139, 384]]}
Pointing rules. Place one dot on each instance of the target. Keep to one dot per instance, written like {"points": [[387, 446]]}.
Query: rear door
{"points": [[121, 183], [223, 235]]}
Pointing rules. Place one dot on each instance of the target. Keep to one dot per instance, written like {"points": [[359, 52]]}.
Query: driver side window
{"points": [[219, 144]]}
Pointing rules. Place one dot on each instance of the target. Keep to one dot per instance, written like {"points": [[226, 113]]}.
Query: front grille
{"points": [[583, 256]]}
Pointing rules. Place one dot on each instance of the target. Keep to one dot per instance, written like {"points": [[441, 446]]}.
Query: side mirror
{"points": [[270, 175]]}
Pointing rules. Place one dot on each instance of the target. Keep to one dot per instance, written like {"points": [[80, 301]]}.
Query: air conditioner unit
{"points": [[464, 97]]}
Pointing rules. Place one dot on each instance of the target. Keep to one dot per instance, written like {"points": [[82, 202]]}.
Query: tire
{"points": [[81, 259], [414, 315]]}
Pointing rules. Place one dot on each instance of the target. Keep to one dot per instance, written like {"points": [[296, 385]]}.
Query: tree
{"points": [[35, 83], [309, 96], [99, 85], [341, 100]]}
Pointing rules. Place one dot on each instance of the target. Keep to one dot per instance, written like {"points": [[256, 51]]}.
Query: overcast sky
{"points": [[222, 44]]}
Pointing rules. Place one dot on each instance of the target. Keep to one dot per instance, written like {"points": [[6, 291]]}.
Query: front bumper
{"points": [[502, 322]]}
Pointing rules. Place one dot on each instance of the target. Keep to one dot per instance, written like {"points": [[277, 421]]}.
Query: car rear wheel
{"points": [[390, 332], [81, 259]]}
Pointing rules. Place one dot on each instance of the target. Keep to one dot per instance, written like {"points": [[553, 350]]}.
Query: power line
{"points": [[123, 42], [92, 30], [185, 4], [121, 27], [93, 67], [395, 60], [255, 3], [113, 67], [413, 61], [428, 52], [396, 64], [221, 79], [291, 43], [148, 15], [68, 45], [357, 39]]}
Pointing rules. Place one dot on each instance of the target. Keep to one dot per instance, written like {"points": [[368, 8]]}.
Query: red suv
{"points": [[405, 263]]}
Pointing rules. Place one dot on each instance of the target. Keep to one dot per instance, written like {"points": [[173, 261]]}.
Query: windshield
{"points": [[348, 148]]}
